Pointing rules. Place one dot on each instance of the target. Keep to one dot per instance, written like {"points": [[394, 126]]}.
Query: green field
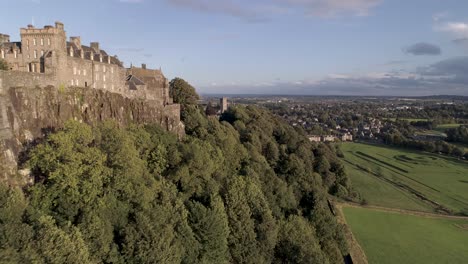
{"points": [[399, 178], [443, 127], [388, 237], [407, 119]]}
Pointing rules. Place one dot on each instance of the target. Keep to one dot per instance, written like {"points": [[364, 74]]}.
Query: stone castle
{"points": [[44, 57]]}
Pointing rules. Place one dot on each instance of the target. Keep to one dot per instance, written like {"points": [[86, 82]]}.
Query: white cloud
{"points": [[456, 29], [259, 10], [439, 16], [131, 1], [331, 8]]}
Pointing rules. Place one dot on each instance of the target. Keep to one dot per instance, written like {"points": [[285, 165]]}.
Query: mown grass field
{"points": [[405, 179], [443, 127], [407, 119], [389, 237]]}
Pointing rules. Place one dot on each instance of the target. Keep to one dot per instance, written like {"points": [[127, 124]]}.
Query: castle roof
{"points": [[10, 46], [90, 53], [133, 82]]}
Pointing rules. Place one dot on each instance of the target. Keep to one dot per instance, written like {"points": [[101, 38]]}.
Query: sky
{"points": [[310, 47]]}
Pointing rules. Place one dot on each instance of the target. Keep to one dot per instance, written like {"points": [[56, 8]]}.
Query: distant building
{"points": [[315, 138], [223, 103], [328, 138], [346, 137]]}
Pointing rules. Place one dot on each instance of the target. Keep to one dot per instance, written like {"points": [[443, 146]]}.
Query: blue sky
{"points": [[345, 47]]}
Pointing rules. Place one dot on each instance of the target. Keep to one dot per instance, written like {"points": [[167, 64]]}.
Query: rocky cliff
{"points": [[27, 113]]}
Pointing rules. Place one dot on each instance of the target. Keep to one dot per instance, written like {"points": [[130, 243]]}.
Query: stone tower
{"points": [[37, 42], [223, 103]]}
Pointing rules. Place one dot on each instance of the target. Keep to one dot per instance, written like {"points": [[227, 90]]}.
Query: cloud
{"points": [[439, 16], [224, 7], [461, 41], [423, 48], [395, 63], [128, 49], [458, 29], [331, 8], [444, 77], [131, 1], [451, 70], [262, 10]]}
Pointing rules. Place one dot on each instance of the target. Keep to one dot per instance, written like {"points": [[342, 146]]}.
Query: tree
{"points": [[182, 92], [297, 243], [4, 65]]}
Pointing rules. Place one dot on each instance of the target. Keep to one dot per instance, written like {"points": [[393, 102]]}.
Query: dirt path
{"points": [[355, 250], [401, 211]]}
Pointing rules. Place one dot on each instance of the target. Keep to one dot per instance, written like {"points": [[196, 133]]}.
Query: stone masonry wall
{"points": [[28, 111]]}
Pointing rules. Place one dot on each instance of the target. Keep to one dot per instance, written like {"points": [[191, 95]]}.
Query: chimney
{"points": [[109, 59], [4, 38], [143, 66], [30, 26], [82, 53], [76, 41], [59, 25], [95, 47]]}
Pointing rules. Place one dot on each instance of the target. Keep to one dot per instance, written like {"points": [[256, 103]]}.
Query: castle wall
{"points": [[25, 79]]}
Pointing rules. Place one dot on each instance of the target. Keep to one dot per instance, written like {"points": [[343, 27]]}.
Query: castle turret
{"points": [[95, 47], [4, 38]]}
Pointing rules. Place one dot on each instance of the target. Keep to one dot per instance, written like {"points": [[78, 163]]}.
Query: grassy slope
{"points": [[396, 238], [378, 192], [441, 179]]}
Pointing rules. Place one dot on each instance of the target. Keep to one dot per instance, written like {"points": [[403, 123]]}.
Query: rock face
{"points": [[28, 113]]}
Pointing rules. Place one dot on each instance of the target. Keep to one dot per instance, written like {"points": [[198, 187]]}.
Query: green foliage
{"points": [[232, 191], [182, 92]]}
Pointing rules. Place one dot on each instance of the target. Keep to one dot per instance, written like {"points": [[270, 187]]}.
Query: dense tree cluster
{"points": [[247, 189], [459, 134], [396, 138]]}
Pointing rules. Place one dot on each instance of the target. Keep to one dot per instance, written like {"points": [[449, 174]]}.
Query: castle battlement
{"points": [[69, 63]]}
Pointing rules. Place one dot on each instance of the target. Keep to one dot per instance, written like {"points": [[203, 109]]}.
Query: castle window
{"points": [[15, 53], [112, 87], [84, 72], [94, 85], [48, 42], [74, 70], [77, 84], [97, 67], [79, 72], [3, 54], [72, 82], [104, 77], [112, 69], [42, 42], [42, 53], [35, 54], [105, 86], [34, 42], [29, 56]]}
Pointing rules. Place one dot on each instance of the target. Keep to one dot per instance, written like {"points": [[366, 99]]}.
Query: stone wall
{"points": [[24, 79], [28, 112]]}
